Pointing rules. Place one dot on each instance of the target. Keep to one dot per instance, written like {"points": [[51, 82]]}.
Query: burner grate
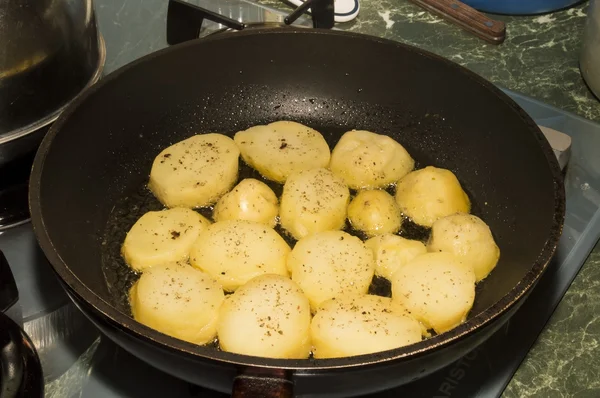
{"points": [[185, 20]]}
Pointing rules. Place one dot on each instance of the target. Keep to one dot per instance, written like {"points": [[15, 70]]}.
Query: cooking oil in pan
{"points": [[120, 277]]}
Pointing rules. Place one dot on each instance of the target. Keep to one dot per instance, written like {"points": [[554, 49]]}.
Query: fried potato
{"points": [[469, 238], [178, 300], [367, 160], [235, 251], [429, 194], [282, 148], [436, 288], [393, 252], [363, 324], [331, 264], [195, 172], [161, 237], [374, 212], [313, 201], [250, 200], [267, 317]]}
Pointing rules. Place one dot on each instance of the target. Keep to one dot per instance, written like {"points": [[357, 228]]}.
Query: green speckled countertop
{"points": [[540, 59]]}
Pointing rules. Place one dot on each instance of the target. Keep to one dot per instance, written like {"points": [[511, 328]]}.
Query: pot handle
{"points": [[20, 368], [268, 383], [467, 18]]}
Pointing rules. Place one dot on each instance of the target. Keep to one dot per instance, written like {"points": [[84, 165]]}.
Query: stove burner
{"points": [[184, 20], [14, 204]]}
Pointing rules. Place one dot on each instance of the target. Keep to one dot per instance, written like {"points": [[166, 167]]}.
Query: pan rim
{"points": [[144, 333]]}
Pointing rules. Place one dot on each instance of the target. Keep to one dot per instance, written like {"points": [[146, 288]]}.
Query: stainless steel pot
{"points": [[50, 51], [589, 62]]}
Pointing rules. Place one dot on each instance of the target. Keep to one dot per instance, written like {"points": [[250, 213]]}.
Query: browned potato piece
{"points": [[393, 252], [429, 194], [364, 324], [367, 160], [235, 251], [313, 201], [250, 200], [374, 212], [267, 317], [469, 238], [195, 172], [331, 264], [280, 149], [178, 300], [160, 237], [436, 288]]}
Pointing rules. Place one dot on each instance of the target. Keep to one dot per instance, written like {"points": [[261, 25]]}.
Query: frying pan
{"points": [[101, 149]]}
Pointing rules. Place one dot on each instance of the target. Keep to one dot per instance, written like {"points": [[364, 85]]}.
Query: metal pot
{"points": [[589, 61], [50, 52]]}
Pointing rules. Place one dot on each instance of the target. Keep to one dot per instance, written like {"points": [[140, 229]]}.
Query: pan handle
{"points": [[267, 383], [467, 18]]}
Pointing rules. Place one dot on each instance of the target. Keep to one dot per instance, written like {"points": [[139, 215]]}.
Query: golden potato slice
{"points": [[195, 172], [313, 201], [436, 288], [250, 200], [178, 300], [331, 264], [235, 251], [469, 238], [282, 148], [161, 237], [364, 324], [429, 194], [368, 160], [393, 252], [267, 317], [374, 212]]}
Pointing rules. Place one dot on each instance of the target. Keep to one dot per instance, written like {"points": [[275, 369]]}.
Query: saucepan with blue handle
{"points": [[469, 14]]}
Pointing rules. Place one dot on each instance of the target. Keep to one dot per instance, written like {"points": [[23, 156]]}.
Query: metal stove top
{"points": [[78, 362]]}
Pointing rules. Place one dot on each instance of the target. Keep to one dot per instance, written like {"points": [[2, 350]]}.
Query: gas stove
{"points": [[79, 362]]}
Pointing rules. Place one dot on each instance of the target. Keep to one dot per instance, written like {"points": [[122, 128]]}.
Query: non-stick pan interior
{"points": [[102, 148]]}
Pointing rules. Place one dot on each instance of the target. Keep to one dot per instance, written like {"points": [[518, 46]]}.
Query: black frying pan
{"points": [[101, 149]]}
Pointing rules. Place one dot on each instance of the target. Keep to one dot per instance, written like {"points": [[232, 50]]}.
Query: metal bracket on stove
{"points": [[322, 12], [560, 143], [184, 20]]}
